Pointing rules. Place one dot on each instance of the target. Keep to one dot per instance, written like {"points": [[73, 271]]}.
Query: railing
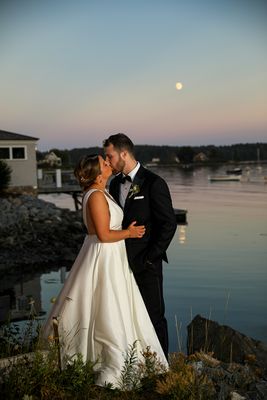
{"points": [[59, 181], [55, 178]]}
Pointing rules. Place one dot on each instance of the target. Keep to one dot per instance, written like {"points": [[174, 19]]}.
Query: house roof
{"points": [[4, 135]]}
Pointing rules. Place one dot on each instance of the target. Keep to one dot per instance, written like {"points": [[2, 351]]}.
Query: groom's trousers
{"points": [[150, 283]]}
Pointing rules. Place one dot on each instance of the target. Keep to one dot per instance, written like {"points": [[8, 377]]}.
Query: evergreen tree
{"points": [[5, 175]]}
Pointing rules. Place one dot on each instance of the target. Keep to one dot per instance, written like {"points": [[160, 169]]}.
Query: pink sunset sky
{"points": [[73, 72]]}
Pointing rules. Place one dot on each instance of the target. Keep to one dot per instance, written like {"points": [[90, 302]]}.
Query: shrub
{"points": [[38, 377], [183, 382], [5, 175]]}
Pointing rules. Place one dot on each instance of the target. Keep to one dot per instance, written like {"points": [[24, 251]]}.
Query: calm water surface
{"points": [[217, 262]]}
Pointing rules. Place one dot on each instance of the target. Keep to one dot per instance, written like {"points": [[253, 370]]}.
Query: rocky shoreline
{"points": [[235, 363], [36, 232]]}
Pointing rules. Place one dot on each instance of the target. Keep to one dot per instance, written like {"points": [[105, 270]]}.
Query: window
{"points": [[13, 152], [18, 153], [4, 153]]}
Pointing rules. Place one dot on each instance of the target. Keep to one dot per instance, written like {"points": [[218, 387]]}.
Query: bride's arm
{"points": [[97, 208]]}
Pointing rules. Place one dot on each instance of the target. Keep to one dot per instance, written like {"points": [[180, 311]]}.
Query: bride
{"points": [[99, 309]]}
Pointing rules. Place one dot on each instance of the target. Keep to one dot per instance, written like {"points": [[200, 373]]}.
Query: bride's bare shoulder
{"points": [[96, 196]]}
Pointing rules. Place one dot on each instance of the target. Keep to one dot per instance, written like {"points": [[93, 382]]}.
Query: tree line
{"points": [[164, 155]]}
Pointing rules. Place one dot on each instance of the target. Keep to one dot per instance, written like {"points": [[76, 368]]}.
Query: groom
{"points": [[145, 198]]}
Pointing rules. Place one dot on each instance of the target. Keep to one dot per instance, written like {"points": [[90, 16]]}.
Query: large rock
{"points": [[227, 344]]}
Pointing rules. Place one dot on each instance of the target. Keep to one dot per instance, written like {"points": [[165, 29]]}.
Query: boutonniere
{"points": [[134, 190]]}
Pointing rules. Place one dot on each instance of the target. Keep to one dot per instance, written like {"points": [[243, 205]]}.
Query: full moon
{"points": [[179, 85]]}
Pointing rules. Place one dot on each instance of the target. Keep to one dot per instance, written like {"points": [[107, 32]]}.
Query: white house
{"points": [[19, 152], [51, 159], [200, 157]]}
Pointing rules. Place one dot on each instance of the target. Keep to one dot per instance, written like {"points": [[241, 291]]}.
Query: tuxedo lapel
{"points": [[139, 177]]}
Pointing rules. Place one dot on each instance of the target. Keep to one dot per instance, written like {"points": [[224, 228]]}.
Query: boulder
{"points": [[226, 344]]}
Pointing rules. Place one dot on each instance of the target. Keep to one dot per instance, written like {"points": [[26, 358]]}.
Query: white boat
{"points": [[234, 171], [225, 178]]}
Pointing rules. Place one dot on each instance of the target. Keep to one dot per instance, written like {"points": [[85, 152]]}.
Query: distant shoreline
{"points": [[204, 164]]}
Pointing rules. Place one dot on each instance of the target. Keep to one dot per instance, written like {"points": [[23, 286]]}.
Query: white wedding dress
{"points": [[100, 309]]}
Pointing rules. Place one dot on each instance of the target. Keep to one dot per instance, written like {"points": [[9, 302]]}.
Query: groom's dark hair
{"points": [[120, 142]]}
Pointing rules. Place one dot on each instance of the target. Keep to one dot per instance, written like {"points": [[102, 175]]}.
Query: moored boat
{"points": [[225, 178], [234, 171]]}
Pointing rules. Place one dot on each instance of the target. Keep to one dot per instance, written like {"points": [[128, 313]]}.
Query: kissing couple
{"points": [[113, 296]]}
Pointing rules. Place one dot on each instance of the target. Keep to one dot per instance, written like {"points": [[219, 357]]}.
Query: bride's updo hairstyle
{"points": [[87, 169]]}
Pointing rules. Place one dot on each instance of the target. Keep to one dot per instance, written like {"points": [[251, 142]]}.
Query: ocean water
{"points": [[217, 261]]}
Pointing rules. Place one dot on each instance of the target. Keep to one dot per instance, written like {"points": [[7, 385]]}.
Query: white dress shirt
{"points": [[125, 187]]}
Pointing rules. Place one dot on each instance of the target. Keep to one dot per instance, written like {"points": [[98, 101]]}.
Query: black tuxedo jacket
{"points": [[151, 206]]}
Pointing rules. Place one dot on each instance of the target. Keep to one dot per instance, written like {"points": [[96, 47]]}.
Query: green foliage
{"points": [[141, 375], [37, 376], [5, 175], [129, 379], [186, 154], [40, 378], [168, 154]]}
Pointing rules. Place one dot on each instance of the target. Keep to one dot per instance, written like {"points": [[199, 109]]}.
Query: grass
{"points": [[38, 375]]}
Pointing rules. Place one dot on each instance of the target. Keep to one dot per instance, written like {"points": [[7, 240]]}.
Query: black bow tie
{"points": [[125, 178]]}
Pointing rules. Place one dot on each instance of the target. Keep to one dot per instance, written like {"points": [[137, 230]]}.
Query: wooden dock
{"points": [[76, 193], [73, 190], [58, 181]]}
